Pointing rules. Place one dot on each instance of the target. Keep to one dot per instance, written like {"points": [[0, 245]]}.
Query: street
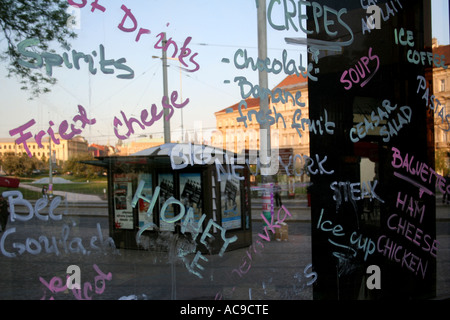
{"points": [[36, 254], [277, 268]]}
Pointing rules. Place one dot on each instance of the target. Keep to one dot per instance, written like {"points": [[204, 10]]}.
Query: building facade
{"points": [[288, 104], [233, 135], [131, 147], [65, 150], [97, 150], [441, 91]]}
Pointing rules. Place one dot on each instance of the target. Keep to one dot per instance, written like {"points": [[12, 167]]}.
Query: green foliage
{"points": [[20, 165], [27, 194], [441, 162], [26, 19], [82, 170]]}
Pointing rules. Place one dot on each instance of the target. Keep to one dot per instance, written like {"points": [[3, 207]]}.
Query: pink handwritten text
{"points": [[145, 120], [57, 284], [24, 135], [129, 24], [247, 260], [428, 176], [359, 74]]}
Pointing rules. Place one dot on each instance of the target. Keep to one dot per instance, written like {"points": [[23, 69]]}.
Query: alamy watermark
{"points": [[374, 18], [374, 279], [74, 277]]}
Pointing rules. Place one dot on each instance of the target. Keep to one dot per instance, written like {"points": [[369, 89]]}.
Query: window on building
{"points": [[442, 85]]}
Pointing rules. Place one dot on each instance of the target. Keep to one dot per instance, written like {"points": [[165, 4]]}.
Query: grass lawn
{"points": [[27, 194], [93, 188], [96, 186]]}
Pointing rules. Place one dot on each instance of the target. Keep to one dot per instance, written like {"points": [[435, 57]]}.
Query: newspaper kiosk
{"points": [[192, 192]]}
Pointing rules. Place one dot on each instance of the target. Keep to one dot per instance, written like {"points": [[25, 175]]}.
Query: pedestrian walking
{"points": [[44, 192], [277, 196], [4, 212]]}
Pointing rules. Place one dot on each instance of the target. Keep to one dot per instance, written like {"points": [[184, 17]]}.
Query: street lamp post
{"points": [[164, 58], [264, 129], [50, 169], [166, 95]]}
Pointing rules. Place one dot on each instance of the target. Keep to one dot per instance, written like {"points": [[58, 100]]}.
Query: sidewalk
{"points": [[275, 271], [70, 196], [298, 207], [300, 211]]}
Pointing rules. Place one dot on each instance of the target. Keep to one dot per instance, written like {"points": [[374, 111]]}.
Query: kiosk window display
{"points": [[149, 197]]}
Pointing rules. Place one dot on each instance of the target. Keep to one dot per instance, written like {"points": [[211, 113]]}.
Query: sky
{"points": [[216, 30]]}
